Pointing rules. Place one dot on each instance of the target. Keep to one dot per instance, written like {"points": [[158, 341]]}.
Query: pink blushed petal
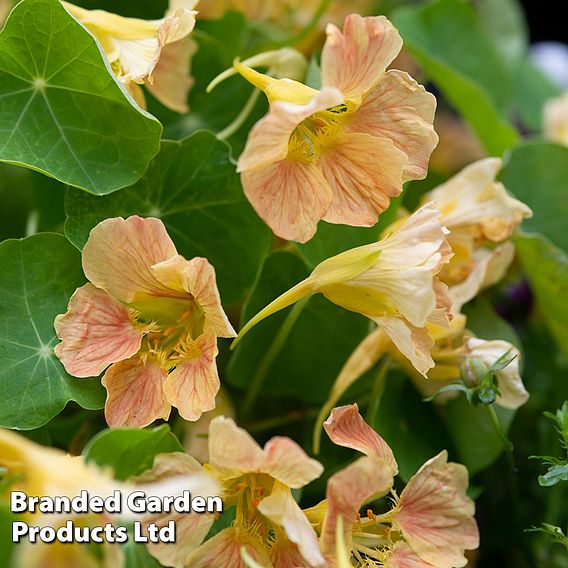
{"points": [[285, 554], [281, 508], [224, 549], [347, 490], [268, 139], [232, 448], [95, 331], [346, 428], [196, 277], [402, 556], [400, 109], [354, 61], [192, 386], [413, 342], [287, 462], [135, 396], [290, 197], [120, 252], [435, 515], [364, 173]]}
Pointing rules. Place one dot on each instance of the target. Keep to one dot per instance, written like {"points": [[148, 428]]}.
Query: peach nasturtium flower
{"points": [[155, 53], [150, 314], [257, 481], [430, 524], [393, 282], [340, 153]]}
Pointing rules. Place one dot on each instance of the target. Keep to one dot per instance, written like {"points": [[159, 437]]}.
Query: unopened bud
{"points": [[473, 371]]}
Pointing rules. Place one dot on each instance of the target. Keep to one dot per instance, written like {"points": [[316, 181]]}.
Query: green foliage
{"points": [[192, 186], [63, 113], [38, 276], [128, 451]]}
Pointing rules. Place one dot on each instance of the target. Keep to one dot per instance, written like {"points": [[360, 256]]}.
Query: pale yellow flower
{"points": [[556, 119]]}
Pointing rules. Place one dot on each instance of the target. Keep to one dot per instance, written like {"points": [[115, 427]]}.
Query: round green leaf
{"points": [[62, 111], [38, 276], [193, 187]]}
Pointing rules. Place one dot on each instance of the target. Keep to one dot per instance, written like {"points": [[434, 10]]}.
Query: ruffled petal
{"points": [[268, 139], [346, 428], [353, 61], [435, 515], [364, 172], [290, 196], [232, 448], [192, 386], [196, 277], [226, 545], [287, 462], [281, 509], [400, 109], [95, 331], [120, 253], [135, 396]]}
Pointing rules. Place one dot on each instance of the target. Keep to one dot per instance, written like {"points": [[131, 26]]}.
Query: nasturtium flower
{"points": [[556, 119], [430, 524], [393, 282], [257, 482], [154, 53], [149, 315], [340, 153]]}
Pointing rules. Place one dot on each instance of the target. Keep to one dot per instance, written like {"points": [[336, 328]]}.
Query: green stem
{"points": [[278, 421], [378, 390], [229, 130], [273, 351]]}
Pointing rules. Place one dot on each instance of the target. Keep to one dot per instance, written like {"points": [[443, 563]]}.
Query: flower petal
{"points": [[232, 448], [281, 509], [402, 556], [95, 331], [435, 515], [290, 196], [227, 545], [135, 396], [363, 172], [192, 386], [346, 428], [287, 462], [268, 139], [354, 61], [119, 255], [196, 277], [400, 109]]}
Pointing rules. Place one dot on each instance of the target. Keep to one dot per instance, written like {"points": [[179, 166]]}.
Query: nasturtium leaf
{"points": [[411, 427], [38, 276], [537, 173], [136, 555], [448, 40], [130, 451], [193, 187], [546, 268], [62, 111], [304, 362]]}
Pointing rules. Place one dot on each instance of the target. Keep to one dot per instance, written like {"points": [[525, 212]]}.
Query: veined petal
{"points": [[347, 490], [290, 196], [135, 395], [96, 331], [402, 556], [364, 172], [268, 139], [353, 61], [413, 342], [227, 545], [232, 448], [281, 509], [119, 255], [192, 386], [346, 428], [400, 109], [287, 462], [285, 554], [196, 277], [511, 388], [435, 515]]}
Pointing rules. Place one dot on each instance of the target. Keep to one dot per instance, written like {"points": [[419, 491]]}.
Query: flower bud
{"points": [[473, 371]]}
